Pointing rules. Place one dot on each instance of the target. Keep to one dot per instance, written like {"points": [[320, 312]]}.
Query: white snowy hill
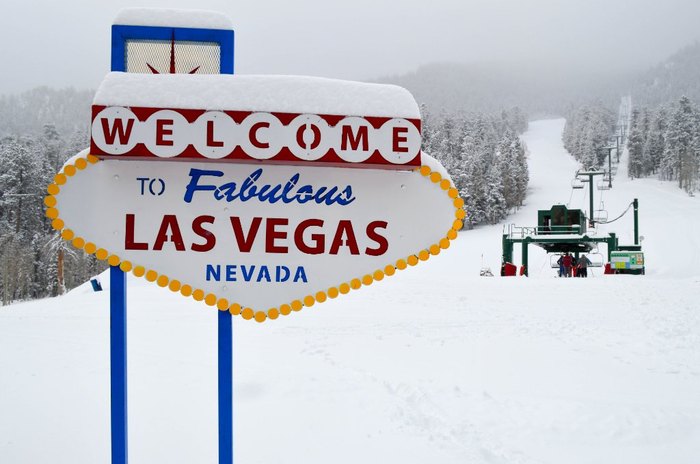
{"points": [[434, 365]]}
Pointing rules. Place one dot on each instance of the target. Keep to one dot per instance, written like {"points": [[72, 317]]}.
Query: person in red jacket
{"points": [[567, 261]]}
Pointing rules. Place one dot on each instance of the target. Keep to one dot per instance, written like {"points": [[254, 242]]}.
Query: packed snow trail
{"points": [[434, 365]]}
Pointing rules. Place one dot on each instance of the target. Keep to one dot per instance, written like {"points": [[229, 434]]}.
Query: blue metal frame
{"points": [[121, 33], [117, 355], [225, 38]]}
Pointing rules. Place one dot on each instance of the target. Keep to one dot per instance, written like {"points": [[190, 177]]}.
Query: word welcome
{"points": [[235, 135]]}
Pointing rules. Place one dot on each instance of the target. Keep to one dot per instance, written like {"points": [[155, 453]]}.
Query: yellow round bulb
{"points": [[185, 290], [57, 224]]}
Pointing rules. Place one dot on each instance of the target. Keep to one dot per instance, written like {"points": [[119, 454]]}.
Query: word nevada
{"points": [[245, 136]]}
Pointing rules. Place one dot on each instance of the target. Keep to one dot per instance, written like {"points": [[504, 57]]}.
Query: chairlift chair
{"points": [[603, 185], [600, 215], [576, 184]]}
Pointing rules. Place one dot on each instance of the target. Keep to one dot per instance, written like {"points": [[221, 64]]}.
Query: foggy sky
{"points": [[66, 43]]}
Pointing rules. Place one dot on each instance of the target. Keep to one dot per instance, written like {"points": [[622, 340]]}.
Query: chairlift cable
{"points": [[613, 220]]}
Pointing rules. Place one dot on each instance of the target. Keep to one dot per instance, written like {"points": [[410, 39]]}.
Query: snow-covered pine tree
{"points": [[679, 160], [655, 142], [635, 147], [495, 202]]}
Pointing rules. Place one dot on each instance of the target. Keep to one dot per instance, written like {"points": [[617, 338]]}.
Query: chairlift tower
{"points": [[588, 177], [610, 148]]}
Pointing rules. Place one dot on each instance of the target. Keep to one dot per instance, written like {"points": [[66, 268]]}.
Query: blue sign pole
{"points": [[225, 324], [117, 354], [225, 388]]}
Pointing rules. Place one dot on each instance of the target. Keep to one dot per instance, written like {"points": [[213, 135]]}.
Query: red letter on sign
{"points": [[271, 235], [161, 131], [210, 136], [399, 139], [129, 242], [344, 228], [117, 129], [381, 241], [347, 137], [319, 240], [245, 243], [204, 233], [169, 223], [253, 135]]}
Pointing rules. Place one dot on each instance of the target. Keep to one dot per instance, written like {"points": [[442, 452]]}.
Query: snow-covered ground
{"points": [[435, 365]]}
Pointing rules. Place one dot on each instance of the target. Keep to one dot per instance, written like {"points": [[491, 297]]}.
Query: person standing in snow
{"points": [[567, 261], [560, 262], [583, 264]]}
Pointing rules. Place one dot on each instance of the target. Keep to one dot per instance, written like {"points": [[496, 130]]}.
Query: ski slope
{"points": [[434, 365]]}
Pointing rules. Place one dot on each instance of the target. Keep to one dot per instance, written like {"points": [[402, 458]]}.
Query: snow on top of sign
{"points": [[283, 94], [163, 17]]}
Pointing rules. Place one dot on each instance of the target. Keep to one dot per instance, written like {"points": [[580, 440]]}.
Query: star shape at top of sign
{"points": [[172, 60]]}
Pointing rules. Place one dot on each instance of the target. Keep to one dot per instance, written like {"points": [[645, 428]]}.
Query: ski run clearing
{"points": [[433, 365]]}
